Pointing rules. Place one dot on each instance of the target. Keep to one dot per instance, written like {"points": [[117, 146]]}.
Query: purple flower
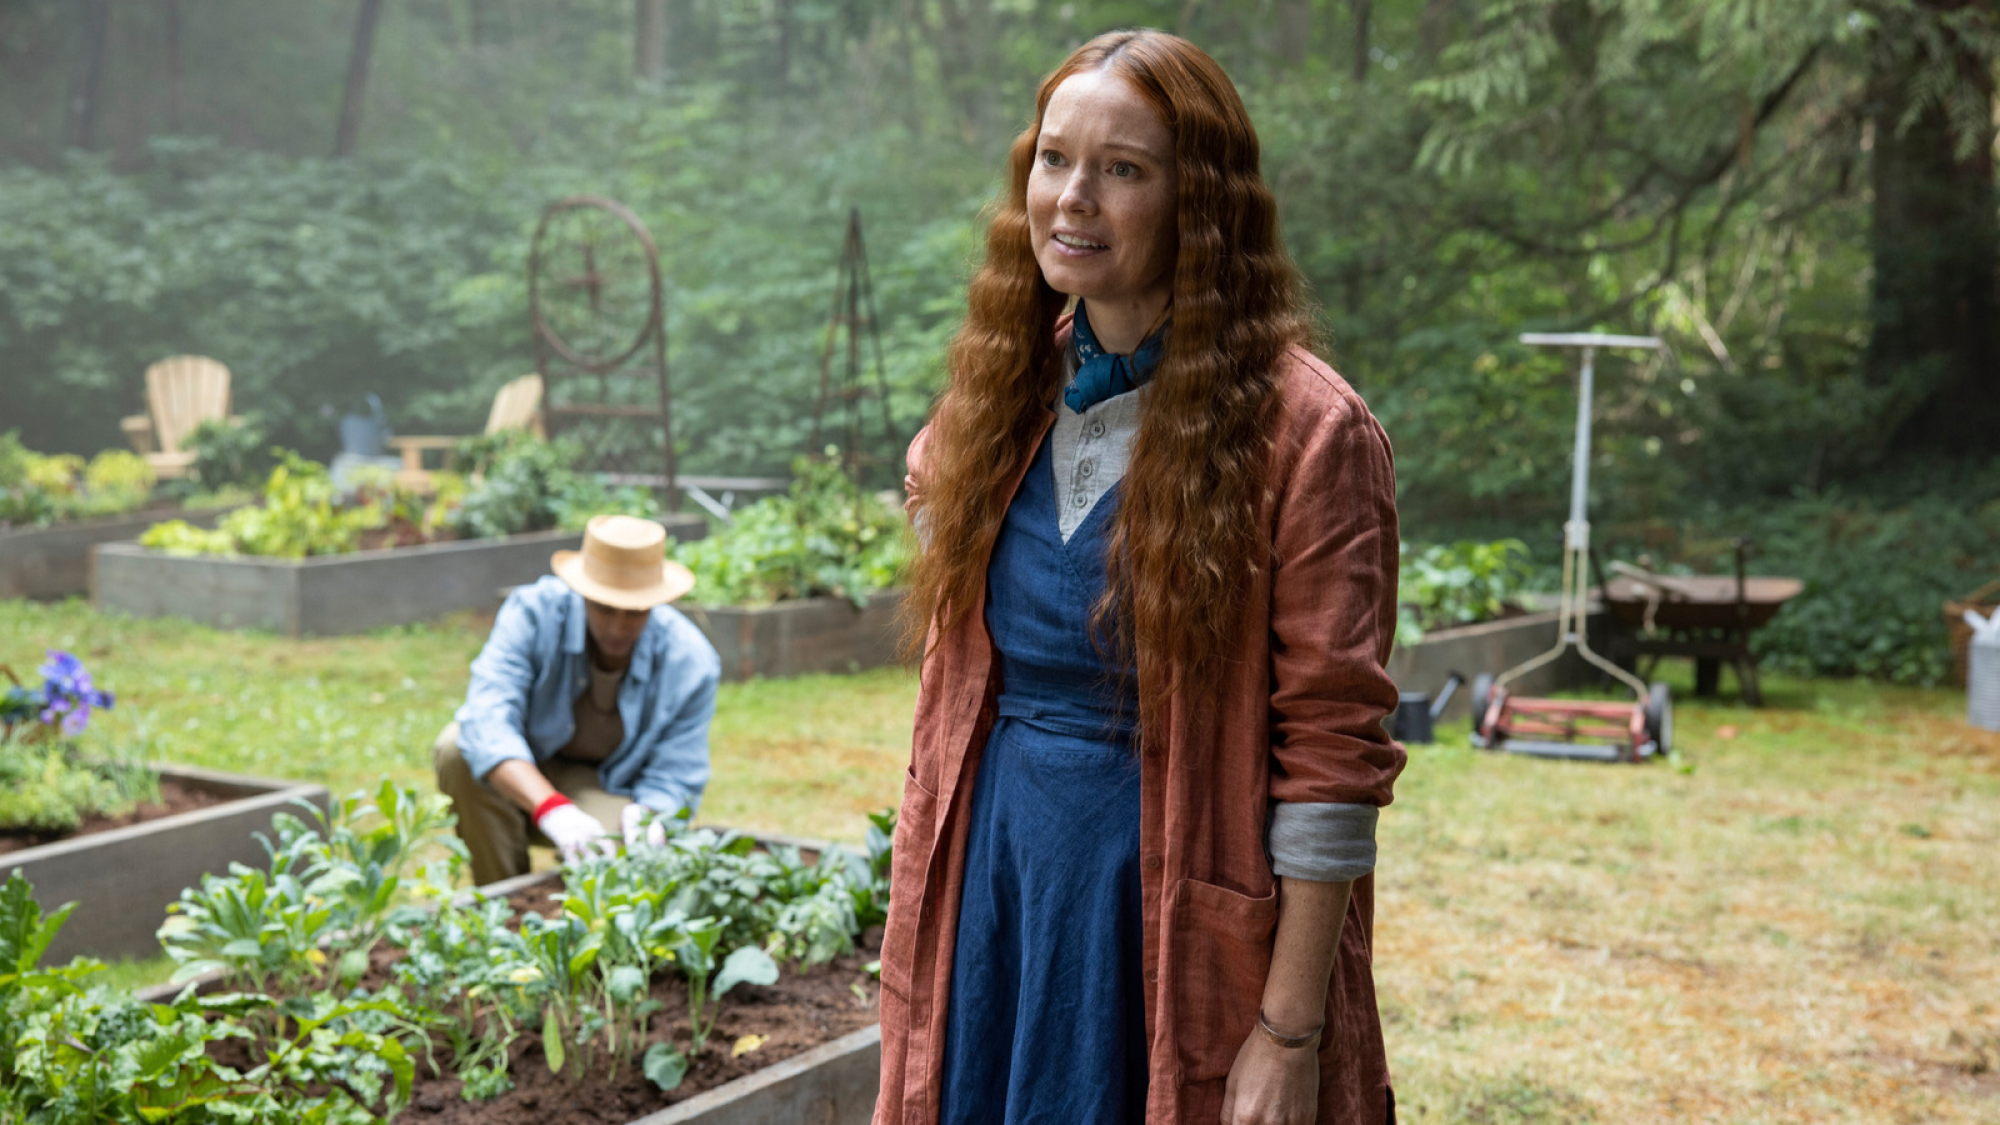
{"points": [[69, 694]]}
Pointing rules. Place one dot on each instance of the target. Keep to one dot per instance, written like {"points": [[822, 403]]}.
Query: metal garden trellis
{"points": [[843, 396], [597, 306]]}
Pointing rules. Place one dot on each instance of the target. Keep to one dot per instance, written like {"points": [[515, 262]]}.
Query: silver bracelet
{"points": [[1288, 1041]]}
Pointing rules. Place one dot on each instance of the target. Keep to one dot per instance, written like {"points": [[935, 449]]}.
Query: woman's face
{"points": [[1101, 198]]}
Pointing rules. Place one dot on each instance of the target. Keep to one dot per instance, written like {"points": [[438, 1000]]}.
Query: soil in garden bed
{"points": [[799, 1012], [175, 797]]}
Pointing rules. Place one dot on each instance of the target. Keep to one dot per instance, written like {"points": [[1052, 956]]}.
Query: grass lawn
{"points": [[809, 757], [1803, 927]]}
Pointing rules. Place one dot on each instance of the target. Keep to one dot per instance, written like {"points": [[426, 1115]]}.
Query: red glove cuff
{"points": [[554, 801]]}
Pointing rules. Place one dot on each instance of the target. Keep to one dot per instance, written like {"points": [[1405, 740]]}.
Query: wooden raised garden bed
{"points": [[54, 561], [122, 878], [329, 595], [801, 637], [831, 1081], [833, 1084], [1493, 646]]}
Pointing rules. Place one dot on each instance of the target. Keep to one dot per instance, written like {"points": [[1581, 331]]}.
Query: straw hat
{"points": [[624, 564]]}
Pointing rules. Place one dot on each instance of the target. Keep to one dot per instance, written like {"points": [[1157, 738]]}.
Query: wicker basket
{"points": [[1979, 601]]}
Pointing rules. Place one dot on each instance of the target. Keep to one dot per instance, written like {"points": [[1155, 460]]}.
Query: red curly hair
{"points": [[1187, 538]]}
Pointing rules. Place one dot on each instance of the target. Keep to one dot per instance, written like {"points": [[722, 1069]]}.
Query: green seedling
{"points": [[450, 969], [696, 953]]}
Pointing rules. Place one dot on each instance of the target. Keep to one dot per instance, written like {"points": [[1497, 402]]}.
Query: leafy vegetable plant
{"points": [[455, 967], [336, 1036], [527, 483], [825, 535], [333, 891], [301, 515], [521, 483], [1458, 584], [37, 489], [83, 1056], [228, 454]]}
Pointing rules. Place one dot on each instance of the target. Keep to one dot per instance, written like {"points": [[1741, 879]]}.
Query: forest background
{"points": [[335, 197]]}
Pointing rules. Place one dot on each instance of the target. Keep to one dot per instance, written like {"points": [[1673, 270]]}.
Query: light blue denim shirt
{"points": [[525, 682]]}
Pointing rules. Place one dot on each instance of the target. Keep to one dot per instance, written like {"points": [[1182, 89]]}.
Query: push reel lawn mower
{"points": [[1569, 728]]}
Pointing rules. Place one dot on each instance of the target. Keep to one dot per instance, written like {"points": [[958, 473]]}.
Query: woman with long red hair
{"points": [[1133, 870]]}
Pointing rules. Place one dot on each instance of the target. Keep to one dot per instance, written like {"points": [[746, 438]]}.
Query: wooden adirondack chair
{"points": [[517, 406], [182, 392]]}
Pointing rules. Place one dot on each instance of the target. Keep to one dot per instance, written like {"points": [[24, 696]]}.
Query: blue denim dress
{"points": [[1047, 1017]]}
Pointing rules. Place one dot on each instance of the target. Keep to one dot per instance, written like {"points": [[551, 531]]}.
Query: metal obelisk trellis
{"points": [[596, 303], [841, 415]]}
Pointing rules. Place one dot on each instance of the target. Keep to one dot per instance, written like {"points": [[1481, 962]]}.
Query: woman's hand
{"points": [[1271, 1085]]}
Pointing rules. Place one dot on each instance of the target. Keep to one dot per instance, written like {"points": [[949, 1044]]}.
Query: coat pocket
{"points": [[909, 863], [1221, 956]]}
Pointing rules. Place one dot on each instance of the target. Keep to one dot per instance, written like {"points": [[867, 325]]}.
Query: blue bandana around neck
{"points": [[1100, 374]]}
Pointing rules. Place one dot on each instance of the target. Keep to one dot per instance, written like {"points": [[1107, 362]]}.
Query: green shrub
{"points": [[410, 269], [1878, 566], [826, 535], [1876, 577]]}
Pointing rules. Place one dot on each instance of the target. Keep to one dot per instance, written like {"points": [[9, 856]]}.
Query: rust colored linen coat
{"points": [[1299, 720]]}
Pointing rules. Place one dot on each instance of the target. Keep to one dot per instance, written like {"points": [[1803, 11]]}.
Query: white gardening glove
{"points": [[575, 833], [644, 827]]}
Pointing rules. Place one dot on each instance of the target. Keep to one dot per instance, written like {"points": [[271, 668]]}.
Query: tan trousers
{"points": [[495, 830]]}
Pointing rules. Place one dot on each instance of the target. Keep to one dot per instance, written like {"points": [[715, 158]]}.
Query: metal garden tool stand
{"points": [[1565, 728]]}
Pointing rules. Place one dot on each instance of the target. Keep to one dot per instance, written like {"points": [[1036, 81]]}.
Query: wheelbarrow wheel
{"points": [[1660, 718], [1482, 698]]}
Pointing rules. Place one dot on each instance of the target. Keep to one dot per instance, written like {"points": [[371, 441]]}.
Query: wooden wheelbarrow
{"points": [[1708, 617]]}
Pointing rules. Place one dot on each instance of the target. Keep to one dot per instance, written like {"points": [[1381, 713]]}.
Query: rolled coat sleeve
{"points": [[492, 721], [1333, 613]]}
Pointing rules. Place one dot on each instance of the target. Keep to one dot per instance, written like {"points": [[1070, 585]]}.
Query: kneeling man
{"points": [[589, 706]]}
